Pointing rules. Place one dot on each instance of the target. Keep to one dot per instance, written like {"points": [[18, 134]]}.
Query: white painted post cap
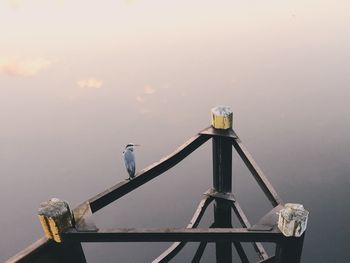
{"points": [[292, 220], [222, 117]]}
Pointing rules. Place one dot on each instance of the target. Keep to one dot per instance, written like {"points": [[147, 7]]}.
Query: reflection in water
{"points": [[281, 66]]}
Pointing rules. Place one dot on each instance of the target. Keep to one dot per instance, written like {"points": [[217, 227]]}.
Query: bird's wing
{"points": [[129, 160]]}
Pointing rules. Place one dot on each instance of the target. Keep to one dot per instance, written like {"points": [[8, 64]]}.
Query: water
{"points": [[80, 80]]}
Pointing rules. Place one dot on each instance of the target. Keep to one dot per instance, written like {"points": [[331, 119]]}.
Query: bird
{"points": [[129, 159]]}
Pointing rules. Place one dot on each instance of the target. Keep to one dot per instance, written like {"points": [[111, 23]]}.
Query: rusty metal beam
{"points": [[268, 260], [224, 196], [257, 173], [177, 246], [111, 194], [199, 253], [28, 254], [46, 250], [289, 250], [258, 247], [241, 253], [174, 234]]}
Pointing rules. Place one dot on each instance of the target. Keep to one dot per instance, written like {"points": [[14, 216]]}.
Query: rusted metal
{"points": [[222, 164], [224, 196], [268, 260], [243, 220], [257, 173], [81, 212], [268, 221], [218, 132], [199, 252], [174, 234], [83, 221], [222, 183], [147, 174], [288, 249], [245, 223], [241, 253], [29, 253], [46, 250], [177, 246]]}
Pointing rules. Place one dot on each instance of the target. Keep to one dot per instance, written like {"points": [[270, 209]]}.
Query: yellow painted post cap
{"points": [[55, 217], [222, 117]]}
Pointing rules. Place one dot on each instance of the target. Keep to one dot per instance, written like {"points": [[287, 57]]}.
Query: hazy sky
{"points": [[42, 35], [89, 44], [79, 79]]}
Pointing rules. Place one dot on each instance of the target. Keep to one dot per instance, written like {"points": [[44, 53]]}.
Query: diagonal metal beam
{"points": [[241, 253], [268, 260], [177, 246], [257, 173], [111, 194], [199, 253], [245, 223], [28, 254]]}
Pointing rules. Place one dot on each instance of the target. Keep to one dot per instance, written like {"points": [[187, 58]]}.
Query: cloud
{"points": [[148, 89], [90, 83], [23, 68]]}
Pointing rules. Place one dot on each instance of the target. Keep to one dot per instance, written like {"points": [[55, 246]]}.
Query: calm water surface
{"points": [[80, 80]]}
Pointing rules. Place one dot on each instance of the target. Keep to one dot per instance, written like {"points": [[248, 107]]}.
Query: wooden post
{"points": [[292, 222], [222, 177], [56, 217]]}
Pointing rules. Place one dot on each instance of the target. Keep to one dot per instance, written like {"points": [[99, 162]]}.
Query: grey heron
{"points": [[129, 159]]}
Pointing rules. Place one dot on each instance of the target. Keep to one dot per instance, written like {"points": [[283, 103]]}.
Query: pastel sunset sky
{"points": [[92, 41], [80, 79]]}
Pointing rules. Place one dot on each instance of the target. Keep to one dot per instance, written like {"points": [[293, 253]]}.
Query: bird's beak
{"points": [[137, 144]]}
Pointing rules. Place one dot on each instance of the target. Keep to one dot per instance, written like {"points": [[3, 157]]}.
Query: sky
{"points": [[39, 36], [142, 50], [80, 79]]}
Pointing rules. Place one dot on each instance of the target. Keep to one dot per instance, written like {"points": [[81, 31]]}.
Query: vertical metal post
{"points": [[222, 178], [56, 217], [289, 250], [292, 222], [222, 164]]}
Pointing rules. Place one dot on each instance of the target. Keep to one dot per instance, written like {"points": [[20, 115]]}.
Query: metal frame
{"points": [[221, 232]]}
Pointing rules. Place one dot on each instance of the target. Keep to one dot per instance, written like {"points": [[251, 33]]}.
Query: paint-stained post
{"points": [[56, 217], [222, 118], [292, 221]]}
